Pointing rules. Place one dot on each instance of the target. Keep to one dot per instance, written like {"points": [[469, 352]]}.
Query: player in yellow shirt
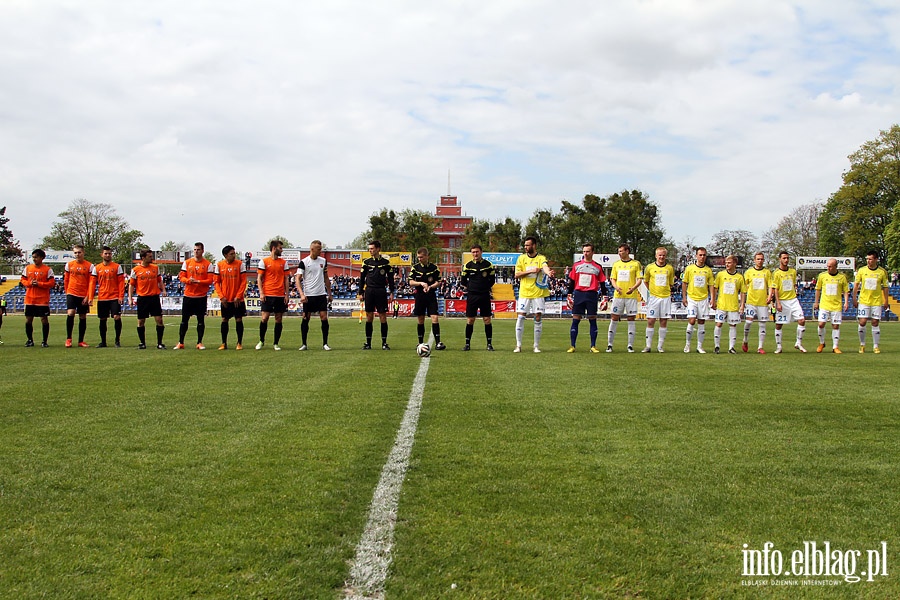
{"points": [[696, 289], [533, 274], [728, 302], [787, 305], [870, 295], [758, 288], [659, 277], [625, 277], [830, 286]]}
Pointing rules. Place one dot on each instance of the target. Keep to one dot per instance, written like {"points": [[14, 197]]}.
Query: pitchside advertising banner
{"points": [[819, 263]]}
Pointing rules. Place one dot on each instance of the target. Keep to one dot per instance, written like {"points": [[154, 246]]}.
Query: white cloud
{"points": [[230, 123]]}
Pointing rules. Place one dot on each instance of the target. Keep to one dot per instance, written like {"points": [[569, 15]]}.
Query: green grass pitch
{"points": [[151, 474]]}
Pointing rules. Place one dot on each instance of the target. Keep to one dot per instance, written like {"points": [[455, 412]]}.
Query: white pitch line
{"points": [[369, 570]]}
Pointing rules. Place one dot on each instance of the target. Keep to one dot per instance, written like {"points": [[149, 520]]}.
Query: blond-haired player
{"points": [[728, 302], [659, 277], [758, 290]]}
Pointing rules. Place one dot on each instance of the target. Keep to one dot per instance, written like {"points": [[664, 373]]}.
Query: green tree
{"points": [[384, 226], [634, 219], [857, 215], [797, 233], [417, 230], [477, 232], [506, 235], [93, 225], [10, 250]]}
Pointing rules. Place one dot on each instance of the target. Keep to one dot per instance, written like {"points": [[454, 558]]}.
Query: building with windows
{"points": [[450, 226]]}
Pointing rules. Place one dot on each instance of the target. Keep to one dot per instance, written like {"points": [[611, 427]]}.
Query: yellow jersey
{"points": [[698, 280], [870, 283], [625, 274], [832, 287], [729, 287], [757, 283], [659, 279]]}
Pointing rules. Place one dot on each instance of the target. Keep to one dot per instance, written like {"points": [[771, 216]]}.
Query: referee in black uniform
{"points": [[376, 289], [478, 279], [425, 277]]}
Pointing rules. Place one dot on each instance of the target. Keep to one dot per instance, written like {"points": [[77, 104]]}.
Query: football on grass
{"points": [[423, 350]]}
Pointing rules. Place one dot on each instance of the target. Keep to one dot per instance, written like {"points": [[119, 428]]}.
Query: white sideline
{"points": [[369, 569]]}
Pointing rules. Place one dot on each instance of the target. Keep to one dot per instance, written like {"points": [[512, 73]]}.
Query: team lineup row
{"points": [[729, 296]]}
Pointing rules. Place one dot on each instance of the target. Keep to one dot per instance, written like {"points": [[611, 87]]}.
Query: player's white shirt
{"points": [[314, 270]]}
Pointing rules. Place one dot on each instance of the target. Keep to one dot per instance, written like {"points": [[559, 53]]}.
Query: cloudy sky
{"points": [[231, 122]]}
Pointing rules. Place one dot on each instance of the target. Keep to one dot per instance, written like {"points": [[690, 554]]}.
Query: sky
{"points": [[232, 122]]}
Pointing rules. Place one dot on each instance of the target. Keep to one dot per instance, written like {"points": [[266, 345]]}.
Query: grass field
{"points": [[150, 474]]}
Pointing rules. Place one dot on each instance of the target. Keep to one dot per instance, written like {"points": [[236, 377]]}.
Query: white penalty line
{"points": [[368, 572]]}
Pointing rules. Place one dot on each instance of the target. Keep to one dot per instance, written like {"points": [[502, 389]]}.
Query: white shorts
{"points": [[756, 313], [864, 311], [698, 309], [625, 307], [790, 311], [530, 305], [834, 316], [732, 317], [659, 308]]}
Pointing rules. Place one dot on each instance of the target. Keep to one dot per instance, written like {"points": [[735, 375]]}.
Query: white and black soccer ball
{"points": [[423, 350]]}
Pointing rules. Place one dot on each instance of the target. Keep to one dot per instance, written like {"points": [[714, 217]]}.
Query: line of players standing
{"points": [[731, 296]]}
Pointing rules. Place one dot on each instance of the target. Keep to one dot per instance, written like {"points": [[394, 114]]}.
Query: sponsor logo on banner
{"points": [[820, 263]]}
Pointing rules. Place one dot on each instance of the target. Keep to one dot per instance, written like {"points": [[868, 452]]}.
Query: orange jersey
{"points": [[270, 274], [77, 278], [110, 279], [201, 270], [146, 280], [38, 295], [231, 280]]}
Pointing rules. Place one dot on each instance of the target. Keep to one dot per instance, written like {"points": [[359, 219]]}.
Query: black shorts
{"points": [[236, 310], [426, 304], [273, 304], [376, 301], [478, 303], [148, 306], [107, 308], [35, 310], [315, 304], [76, 303], [193, 307], [585, 303]]}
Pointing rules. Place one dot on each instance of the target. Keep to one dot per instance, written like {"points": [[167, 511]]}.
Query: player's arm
{"points": [[120, 277], [389, 274], [856, 288], [298, 283], [183, 276], [846, 297], [92, 284], [362, 280], [66, 277], [327, 282], [131, 289], [287, 286], [547, 270], [713, 289], [818, 295], [161, 285], [884, 292]]}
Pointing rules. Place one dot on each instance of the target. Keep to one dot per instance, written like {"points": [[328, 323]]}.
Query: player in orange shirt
{"points": [[76, 281], [197, 275], [231, 283], [108, 278], [274, 280], [38, 280], [146, 280]]}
